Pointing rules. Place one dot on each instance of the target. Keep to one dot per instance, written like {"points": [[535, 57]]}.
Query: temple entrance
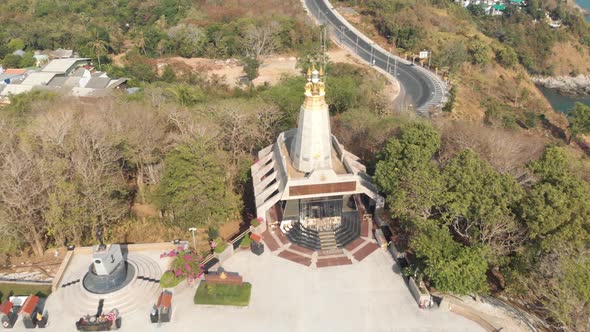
{"points": [[321, 214]]}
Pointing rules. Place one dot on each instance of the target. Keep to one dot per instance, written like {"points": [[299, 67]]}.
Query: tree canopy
{"points": [[194, 189], [579, 120], [406, 172]]}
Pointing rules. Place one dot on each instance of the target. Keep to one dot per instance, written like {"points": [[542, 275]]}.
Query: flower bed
{"points": [[185, 265]]}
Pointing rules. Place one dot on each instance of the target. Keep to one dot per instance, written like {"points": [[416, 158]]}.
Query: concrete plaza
{"points": [[286, 296], [367, 296]]}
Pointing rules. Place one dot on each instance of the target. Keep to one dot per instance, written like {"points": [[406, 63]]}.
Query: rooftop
{"points": [[16, 71], [15, 89], [38, 78], [61, 66], [293, 173]]}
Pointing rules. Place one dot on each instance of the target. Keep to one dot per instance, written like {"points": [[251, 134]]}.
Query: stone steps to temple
{"points": [[328, 241], [127, 300]]}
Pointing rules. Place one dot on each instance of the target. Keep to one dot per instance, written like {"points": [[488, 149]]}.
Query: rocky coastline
{"points": [[566, 85]]}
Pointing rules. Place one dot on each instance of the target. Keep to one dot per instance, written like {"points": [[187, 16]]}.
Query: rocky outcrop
{"points": [[568, 85]]}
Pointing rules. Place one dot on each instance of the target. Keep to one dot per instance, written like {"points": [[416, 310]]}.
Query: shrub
{"points": [[169, 280], [251, 65], [246, 241], [185, 265], [507, 57], [212, 233], [221, 245], [255, 222], [219, 294]]}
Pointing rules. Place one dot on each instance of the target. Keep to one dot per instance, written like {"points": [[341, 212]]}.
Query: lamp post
{"points": [[192, 230]]}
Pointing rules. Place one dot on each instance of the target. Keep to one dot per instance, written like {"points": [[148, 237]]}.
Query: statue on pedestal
{"points": [[101, 246], [109, 270]]}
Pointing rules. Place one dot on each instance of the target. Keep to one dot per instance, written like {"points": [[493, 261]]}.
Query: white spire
{"points": [[312, 148]]}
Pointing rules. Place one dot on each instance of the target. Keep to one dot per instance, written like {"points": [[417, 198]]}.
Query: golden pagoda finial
{"points": [[314, 85]]}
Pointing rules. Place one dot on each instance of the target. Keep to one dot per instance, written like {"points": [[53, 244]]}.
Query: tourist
{"points": [[212, 244]]}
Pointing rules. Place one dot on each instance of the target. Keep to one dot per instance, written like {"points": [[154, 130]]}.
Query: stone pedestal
{"points": [[109, 271], [106, 259]]}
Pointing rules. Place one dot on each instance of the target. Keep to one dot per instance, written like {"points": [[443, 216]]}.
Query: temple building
{"points": [[308, 185]]}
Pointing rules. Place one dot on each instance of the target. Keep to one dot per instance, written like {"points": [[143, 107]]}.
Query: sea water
{"points": [[585, 4], [563, 103], [560, 102]]}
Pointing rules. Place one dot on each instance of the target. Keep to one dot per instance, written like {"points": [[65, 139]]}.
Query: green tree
{"points": [[507, 57], [479, 51], [168, 75], [557, 208], [478, 204], [16, 44], [141, 71], [99, 47], [27, 60], [186, 95], [406, 173], [450, 266], [11, 61], [452, 56], [579, 120], [288, 96], [195, 188], [476, 9], [343, 93], [251, 65]]}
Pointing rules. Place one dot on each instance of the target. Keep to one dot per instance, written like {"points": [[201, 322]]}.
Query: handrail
{"points": [[240, 236]]}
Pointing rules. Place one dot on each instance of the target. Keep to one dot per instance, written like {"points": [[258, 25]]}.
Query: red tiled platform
{"points": [[295, 257], [270, 241], [333, 261], [354, 244], [365, 251], [282, 237], [300, 249], [365, 227]]}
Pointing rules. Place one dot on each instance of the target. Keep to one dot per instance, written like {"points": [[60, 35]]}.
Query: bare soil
{"points": [[45, 266], [231, 71]]}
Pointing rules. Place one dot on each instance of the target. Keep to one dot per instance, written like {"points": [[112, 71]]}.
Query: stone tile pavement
{"points": [[367, 296]]}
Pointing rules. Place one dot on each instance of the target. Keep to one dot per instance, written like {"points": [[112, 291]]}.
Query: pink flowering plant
{"points": [[256, 222], [185, 265]]}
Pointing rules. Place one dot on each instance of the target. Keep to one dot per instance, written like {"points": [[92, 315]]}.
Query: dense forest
{"points": [[215, 29]]}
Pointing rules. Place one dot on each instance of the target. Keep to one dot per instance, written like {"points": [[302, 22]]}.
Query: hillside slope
{"points": [[489, 60]]}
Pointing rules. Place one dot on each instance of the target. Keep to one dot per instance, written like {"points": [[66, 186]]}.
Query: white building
{"points": [[308, 183]]}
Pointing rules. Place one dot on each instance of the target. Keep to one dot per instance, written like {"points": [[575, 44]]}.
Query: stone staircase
{"points": [[327, 240], [143, 290]]}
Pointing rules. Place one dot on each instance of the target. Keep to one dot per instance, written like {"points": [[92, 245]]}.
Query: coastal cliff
{"points": [[568, 85]]}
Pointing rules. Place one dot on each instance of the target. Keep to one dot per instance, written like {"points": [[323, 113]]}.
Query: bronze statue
{"points": [[102, 246]]}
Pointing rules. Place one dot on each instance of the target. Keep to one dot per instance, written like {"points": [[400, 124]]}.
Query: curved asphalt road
{"points": [[421, 88]]}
